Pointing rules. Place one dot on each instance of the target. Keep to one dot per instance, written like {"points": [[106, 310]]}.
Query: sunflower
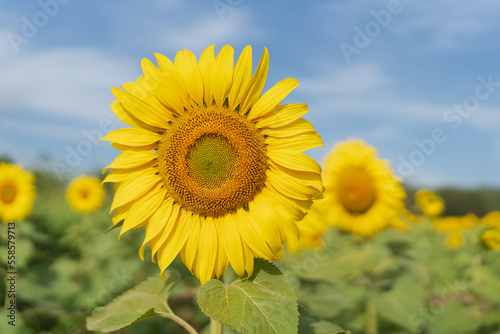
{"points": [[491, 239], [448, 224], [85, 194], [363, 194], [429, 203], [211, 167], [17, 192], [492, 219], [454, 240]]}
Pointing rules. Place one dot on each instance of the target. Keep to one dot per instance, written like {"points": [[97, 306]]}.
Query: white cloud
{"points": [[194, 31], [358, 78], [72, 83]]}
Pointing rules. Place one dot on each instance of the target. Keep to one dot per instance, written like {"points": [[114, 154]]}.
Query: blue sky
{"points": [[419, 80]]}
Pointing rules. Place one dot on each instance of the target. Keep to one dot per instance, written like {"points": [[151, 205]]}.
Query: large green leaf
{"points": [[263, 303], [452, 318], [313, 326], [402, 304], [146, 300]]}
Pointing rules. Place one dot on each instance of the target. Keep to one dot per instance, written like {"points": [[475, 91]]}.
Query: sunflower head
{"points": [[454, 240], [447, 224], [492, 219], [210, 166], [363, 194], [429, 203], [490, 239], [85, 194], [17, 192]]}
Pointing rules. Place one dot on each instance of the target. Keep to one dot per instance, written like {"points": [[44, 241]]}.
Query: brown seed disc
{"points": [[212, 161]]}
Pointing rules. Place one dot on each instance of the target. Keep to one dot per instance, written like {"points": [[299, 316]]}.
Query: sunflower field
{"points": [[211, 219]]}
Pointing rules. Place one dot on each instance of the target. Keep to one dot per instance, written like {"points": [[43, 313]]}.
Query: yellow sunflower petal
{"points": [[185, 61], [134, 187], [207, 251], [251, 234], [232, 243], [207, 68], [160, 239], [241, 77], [293, 160], [260, 211], [143, 209], [132, 137], [274, 96], [256, 83], [299, 143], [283, 115], [175, 241], [158, 223], [289, 186], [190, 250], [223, 77], [144, 111], [131, 159], [168, 86], [294, 128], [119, 175], [222, 261]]}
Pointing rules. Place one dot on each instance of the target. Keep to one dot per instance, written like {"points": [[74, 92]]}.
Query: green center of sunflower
{"points": [[7, 193], [356, 191], [212, 161]]}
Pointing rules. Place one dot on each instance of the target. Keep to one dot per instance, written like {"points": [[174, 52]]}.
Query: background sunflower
{"points": [[363, 195], [17, 192], [85, 194]]}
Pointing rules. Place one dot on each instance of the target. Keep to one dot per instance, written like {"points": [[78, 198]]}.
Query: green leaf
{"points": [[402, 304], [312, 326], [263, 303], [144, 301], [452, 318], [114, 227]]}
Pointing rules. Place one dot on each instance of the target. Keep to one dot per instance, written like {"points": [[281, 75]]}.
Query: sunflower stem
{"points": [[179, 321], [216, 327], [371, 317]]}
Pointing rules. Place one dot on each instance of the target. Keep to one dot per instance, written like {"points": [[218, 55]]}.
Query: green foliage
{"points": [[147, 300], [398, 282], [262, 303], [411, 282]]}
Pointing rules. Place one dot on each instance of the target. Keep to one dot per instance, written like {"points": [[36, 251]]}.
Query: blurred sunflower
{"points": [[85, 194], [454, 240], [448, 224], [492, 219], [491, 239], [17, 192], [362, 193], [212, 168], [429, 202], [469, 220]]}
